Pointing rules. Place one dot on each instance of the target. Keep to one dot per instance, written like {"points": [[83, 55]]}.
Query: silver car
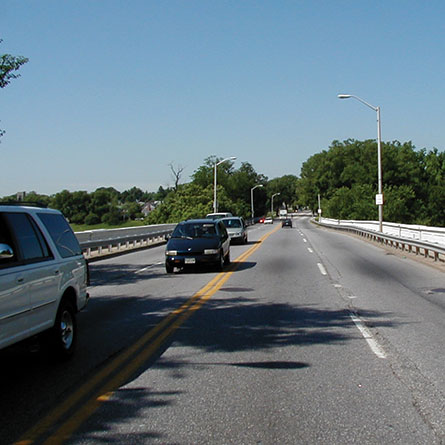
{"points": [[236, 228]]}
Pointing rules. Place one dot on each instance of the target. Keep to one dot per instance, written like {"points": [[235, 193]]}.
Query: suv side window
{"points": [[29, 239], [62, 235], [6, 238]]}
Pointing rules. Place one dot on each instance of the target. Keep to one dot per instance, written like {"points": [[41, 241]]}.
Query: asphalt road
{"points": [[311, 336]]}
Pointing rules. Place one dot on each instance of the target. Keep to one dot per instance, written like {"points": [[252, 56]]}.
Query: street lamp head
{"points": [[344, 96]]}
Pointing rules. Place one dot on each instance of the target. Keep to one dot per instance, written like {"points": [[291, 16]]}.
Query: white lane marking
{"points": [[322, 269], [305, 240], [148, 267], [372, 342], [310, 250], [338, 286]]}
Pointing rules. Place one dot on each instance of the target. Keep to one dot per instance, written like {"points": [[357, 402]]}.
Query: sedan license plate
{"points": [[190, 261]]}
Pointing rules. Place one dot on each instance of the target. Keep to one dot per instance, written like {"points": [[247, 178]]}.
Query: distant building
{"points": [[149, 207]]}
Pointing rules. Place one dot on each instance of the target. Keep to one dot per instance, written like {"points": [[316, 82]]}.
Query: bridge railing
{"points": [[97, 243], [421, 240]]}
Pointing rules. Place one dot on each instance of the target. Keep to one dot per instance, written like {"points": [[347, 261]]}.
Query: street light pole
{"points": [[215, 207], [379, 197], [271, 203], [251, 198]]}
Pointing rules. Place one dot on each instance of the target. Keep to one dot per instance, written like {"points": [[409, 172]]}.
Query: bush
{"points": [[92, 219]]}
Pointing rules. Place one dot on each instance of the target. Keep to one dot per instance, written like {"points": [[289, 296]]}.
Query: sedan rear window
{"points": [[194, 230]]}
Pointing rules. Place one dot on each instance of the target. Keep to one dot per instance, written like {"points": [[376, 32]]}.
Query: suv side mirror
{"points": [[6, 252]]}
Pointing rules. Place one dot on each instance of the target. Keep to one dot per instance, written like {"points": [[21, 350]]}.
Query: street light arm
{"points": [[232, 158], [347, 96]]}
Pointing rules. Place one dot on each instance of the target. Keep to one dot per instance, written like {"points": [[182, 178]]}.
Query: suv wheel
{"points": [[168, 268], [63, 336]]}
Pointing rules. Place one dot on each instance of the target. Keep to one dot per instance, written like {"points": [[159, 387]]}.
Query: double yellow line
{"points": [[101, 386]]}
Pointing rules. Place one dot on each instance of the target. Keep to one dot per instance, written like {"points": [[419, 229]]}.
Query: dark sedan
{"points": [[286, 222], [198, 242]]}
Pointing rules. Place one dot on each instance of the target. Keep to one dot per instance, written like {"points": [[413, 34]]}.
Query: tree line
{"points": [[105, 205], [344, 175]]}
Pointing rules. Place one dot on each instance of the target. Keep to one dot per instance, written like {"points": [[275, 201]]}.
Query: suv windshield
{"points": [[194, 230]]}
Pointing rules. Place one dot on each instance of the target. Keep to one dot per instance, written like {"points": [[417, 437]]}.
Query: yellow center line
{"points": [[171, 323]]}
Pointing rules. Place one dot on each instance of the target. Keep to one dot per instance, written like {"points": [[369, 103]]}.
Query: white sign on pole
{"points": [[379, 199]]}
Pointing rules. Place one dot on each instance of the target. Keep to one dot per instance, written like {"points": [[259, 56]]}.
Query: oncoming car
{"points": [[198, 242], [236, 228]]}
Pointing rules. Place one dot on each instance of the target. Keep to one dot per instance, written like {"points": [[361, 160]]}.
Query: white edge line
{"points": [[372, 342], [322, 269]]}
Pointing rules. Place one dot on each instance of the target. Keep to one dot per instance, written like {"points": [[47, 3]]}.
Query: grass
{"points": [[83, 227]]}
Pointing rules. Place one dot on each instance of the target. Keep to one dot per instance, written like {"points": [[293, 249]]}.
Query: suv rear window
{"points": [[61, 233]]}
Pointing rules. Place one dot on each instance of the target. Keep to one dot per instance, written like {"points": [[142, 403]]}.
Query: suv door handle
{"points": [[20, 280]]}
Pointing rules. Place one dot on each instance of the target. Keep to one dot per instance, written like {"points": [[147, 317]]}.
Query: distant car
{"points": [[198, 242], [268, 220], [218, 215], [236, 229], [286, 222]]}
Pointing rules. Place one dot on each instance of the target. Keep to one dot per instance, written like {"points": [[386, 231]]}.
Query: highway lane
{"points": [[271, 356]]}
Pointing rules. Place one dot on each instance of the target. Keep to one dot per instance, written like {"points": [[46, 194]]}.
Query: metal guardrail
{"points": [[427, 234], [106, 242], [428, 250]]}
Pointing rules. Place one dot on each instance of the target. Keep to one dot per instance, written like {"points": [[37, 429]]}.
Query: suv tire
{"points": [[63, 335]]}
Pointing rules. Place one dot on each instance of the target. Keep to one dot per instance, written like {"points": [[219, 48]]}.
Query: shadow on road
{"points": [[235, 321]]}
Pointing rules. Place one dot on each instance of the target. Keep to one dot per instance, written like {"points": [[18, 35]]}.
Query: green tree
{"points": [[9, 65], [189, 201], [286, 186], [135, 194], [103, 200], [132, 210]]}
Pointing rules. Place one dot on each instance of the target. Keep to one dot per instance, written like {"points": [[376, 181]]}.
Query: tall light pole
{"points": [[251, 198], [379, 196], [215, 207], [271, 203]]}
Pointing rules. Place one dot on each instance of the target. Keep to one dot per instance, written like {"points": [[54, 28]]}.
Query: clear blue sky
{"points": [[114, 91]]}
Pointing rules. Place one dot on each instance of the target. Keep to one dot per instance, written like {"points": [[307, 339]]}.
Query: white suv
{"points": [[43, 277]]}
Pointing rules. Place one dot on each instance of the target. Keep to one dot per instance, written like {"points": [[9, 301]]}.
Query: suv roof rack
{"points": [[24, 203]]}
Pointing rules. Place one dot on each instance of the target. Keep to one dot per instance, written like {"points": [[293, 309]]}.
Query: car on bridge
{"points": [[43, 278], [236, 228], [198, 242], [286, 223]]}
